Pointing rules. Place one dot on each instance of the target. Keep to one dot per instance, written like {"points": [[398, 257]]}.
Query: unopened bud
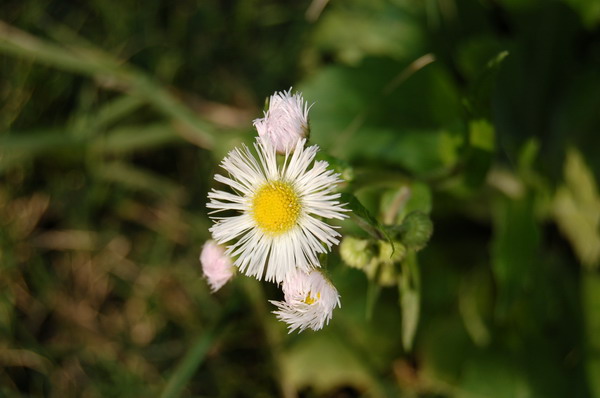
{"points": [[285, 123], [216, 265], [355, 252], [416, 230], [389, 253]]}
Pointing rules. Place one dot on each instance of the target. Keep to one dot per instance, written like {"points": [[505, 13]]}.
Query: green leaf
{"points": [[357, 118], [481, 135], [326, 349], [364, 218], [378, 28], [589, 11]]}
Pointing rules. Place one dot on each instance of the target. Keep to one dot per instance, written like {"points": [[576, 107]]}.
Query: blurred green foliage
{"points": [[479, 115]]}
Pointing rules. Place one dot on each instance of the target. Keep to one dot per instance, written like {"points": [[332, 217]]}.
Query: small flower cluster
{"points": [[277, 232], [382, 260]]}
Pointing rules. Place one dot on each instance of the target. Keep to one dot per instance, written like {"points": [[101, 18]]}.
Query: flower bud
{"points": [[387, 253], [217, 267], [356, 252], [416, 230], [285, 122]]}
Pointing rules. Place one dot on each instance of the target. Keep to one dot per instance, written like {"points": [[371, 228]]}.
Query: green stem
{"points": [[272, 334], [190, 363]]}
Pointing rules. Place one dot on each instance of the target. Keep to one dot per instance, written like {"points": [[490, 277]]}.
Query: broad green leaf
{"points": [[421, 151], [421, 198], [316, 361], [415, 126], [378, 28]]}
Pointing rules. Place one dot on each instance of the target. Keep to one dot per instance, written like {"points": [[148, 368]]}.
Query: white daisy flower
{"points": [[286, 121], [309, 301], [216, 265], [277, 227]]}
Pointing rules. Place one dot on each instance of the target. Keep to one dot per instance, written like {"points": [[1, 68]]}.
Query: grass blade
{"points": [[102, 66], [186, 368]]}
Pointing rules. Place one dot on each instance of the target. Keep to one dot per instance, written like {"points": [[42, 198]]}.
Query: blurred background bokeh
{"points": [[114, 116]]}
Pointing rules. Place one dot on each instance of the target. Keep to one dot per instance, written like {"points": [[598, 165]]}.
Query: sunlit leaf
{"points": [[576, 209], [379, 28], [412, 126], [589, 11]]}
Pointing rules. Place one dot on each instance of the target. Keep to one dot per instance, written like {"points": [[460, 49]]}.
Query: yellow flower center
{"points": [[276, 207], [311, 300]]}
